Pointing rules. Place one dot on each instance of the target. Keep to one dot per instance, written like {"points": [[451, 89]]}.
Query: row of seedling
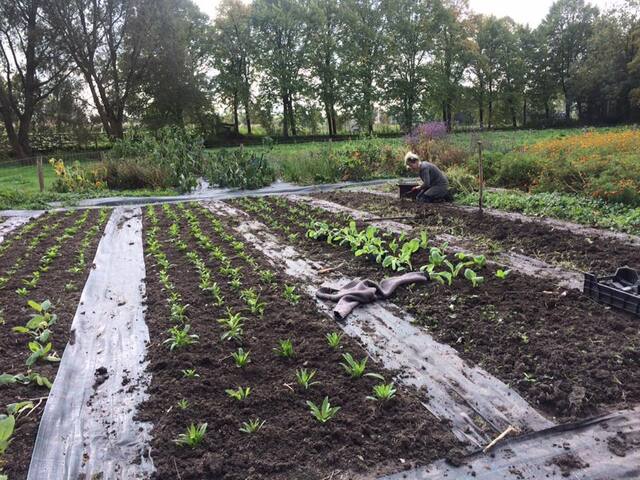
{"points": [[89, 236]]}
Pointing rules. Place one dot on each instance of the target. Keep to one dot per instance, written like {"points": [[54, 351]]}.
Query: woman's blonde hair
{"points": [[411, 157]]}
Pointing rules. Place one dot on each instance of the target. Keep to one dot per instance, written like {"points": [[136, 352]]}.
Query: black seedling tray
{"points": [[610, 290], [405, 190]]}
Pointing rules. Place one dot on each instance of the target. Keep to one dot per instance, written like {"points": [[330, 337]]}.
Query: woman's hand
{"points": [[416, 188]]}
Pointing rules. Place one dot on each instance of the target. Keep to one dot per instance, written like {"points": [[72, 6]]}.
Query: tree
{"points": [[511, 67], [233, 51], [324, 32], [176, 76], [111, 45], [452, 53], [568, 26], [31, 68], [280, 38], [409, 38], [363, 57]]}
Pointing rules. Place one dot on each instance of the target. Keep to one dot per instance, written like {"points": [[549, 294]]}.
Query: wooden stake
{"points": [[509, 430], [480, 175], [40, 173]]}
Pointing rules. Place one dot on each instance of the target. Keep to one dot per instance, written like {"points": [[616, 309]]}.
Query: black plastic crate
{"points": [[405, 190], [610, 290]]}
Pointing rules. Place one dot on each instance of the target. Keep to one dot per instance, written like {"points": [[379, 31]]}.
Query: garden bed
{"points": [[555, 245], [60, 247], [567, 355], [364, 437]]}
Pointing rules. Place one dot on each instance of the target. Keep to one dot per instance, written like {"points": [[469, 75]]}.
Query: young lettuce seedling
{"points": [[241, 358], [473, 277], [502, 274], [290, 295], [383, 392], [183, 404], [240, 393], [193, 437], [7, 425], [252, 426], [325, 412], [266, 276], [22, 292], [285, 348], [305, 377], [190, 373], [333, 339]]}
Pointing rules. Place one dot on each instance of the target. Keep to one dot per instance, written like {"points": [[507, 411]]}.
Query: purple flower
{"points": [[426, 132]]}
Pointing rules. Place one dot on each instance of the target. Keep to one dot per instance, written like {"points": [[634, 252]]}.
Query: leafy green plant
{"points": [[190, 373], [180, 337], [193, 437], [241, 358], [290, 294], [7, 425], [305, 378], [334, 339], [252, 426], [502, 274], [473, 277], [356, 368], [252, 300], [325, 412], [178, 312], [22, 292], [383, 392], [183, 404], [285, 348], [39, 351], [479, 261], [266, 276], [240, 393], [442, 277]]}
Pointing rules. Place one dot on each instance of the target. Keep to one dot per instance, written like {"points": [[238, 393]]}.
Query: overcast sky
{"points": [[523, 11]]}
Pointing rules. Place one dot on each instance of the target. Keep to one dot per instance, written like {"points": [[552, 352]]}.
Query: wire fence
{"points": [[67, 157]]}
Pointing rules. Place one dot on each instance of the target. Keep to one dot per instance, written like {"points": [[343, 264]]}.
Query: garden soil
{"points": [[364, 437], [567, 355], [536, 239], [16, 313]]}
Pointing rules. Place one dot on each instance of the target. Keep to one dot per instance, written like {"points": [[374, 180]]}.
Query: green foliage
{"points": [[285, 348], [575, 208], [241, 358], [334, 339], [325, 412], [252, 426], [240, 168], [190, 373], [502, 274], [304, 378], [290, 294], [183, 404], [240, 393], [383, 392], [7, 425], [473, 277], [180, 337], [193, 436]]}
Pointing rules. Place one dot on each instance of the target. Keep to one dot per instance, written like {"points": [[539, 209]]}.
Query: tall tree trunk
{"points": [[444, 111], [547, 111], [285, 116], [247, 116], [292, 117], [12, 136], [524, 112], [236, 120], [481, 115], [334, 120]]}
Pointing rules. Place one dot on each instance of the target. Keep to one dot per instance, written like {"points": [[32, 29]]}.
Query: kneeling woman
{"points": [[435, 186]]}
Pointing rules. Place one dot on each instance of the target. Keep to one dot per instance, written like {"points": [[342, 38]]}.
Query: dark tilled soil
{"points": [[565, 354], [14, 346], [600, 255], [362, 439]]}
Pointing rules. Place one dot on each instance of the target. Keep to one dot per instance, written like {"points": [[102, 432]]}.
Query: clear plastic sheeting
{"points": [[276, 188], [522, 263], [88, 429], [477, 404], [9, 224], [603, 448]]}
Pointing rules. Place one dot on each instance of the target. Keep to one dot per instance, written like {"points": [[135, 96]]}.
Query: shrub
{"points": [[132, 173], [75, 178], [240, 168], [460, 180]]}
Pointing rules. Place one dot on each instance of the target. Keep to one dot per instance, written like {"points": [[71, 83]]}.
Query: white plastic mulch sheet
{"points": [[522, 263], [604, 448], [454, 390], [88, 428], [9, 224]]}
